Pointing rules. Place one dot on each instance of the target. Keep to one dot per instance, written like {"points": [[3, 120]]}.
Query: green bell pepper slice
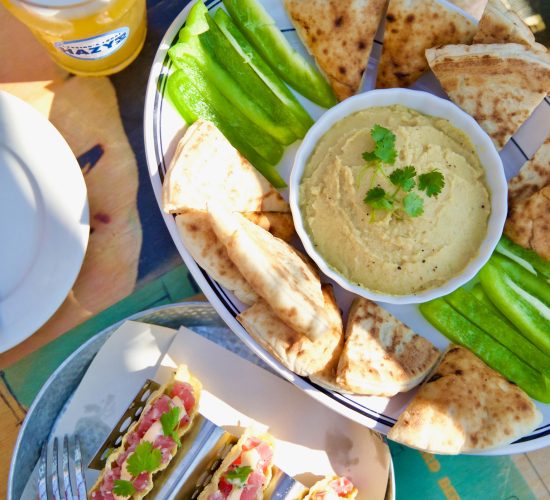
{"points": [[194, 97], [515, 252], [492, 323], [530, 316], [462, 331], [535, 286], [260, 29], [233, 77], [252, 57]]}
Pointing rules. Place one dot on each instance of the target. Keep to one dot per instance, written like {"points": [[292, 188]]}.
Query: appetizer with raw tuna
{"points": [[245, 472], [150, 443], [332, 488]]}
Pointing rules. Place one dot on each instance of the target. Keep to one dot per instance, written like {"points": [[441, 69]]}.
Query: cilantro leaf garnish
{"points": [[369, 156], [239, 475], [123, 488], [404, 178], [384, 149], [145, 458], [378, 198], [413, 205], [431, 182], [170, 422]]}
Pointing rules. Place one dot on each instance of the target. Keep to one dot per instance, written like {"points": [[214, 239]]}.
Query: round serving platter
{"points": [[163, 127], [50, 403]]}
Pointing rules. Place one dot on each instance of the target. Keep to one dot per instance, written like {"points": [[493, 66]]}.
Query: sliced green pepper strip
{"points": [[252, 57], [190, 94], [528, 314], [507, 247], [233, 77], [461, 331], [282, 121], [260, 29], [231, 89], [535, 286], [478, 292], [490, 322]]}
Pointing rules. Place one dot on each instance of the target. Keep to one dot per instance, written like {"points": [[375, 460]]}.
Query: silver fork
{"points": [[53, 473]]}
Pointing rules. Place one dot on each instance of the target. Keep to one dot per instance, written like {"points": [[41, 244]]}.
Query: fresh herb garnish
{"points": [[404, 179], [413, 205], [431, 182], [384, 146], [124, 488], [145, 458], [239, 475], [378, 198], [170, 422]]}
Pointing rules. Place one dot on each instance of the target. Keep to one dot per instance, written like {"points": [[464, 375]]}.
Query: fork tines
{"points": [[66, 462]]}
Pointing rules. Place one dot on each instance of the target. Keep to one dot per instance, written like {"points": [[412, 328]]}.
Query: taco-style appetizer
{"points": [[150, 443], [332, 488], [245, 472]]}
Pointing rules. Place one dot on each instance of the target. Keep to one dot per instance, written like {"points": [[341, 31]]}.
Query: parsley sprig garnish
{"points": [[170, 422], [124, 488], [239, 475], [145, 458], [404, 179]]}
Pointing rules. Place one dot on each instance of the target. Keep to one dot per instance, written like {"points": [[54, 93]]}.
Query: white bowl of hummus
{"points": [[402, 227]]}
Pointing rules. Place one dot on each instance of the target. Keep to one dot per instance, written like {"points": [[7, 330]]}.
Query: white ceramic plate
{"points": [[163, 127], [43, 220]]}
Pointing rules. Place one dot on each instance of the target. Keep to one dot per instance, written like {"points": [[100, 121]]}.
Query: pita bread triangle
{"points": [[465, 406], [204, 246], [532, 177], [528, 223], [498, 84], [412, 26], [500, 25], [339, 35], [294, 350], [275, 271], [381, 355], [206, 166], [209, 253]]}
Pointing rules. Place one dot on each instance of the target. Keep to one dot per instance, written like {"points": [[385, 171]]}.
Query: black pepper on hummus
{"points": [[390, 253]]}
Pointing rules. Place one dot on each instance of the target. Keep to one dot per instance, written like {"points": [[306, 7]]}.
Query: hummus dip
{"points": [[395, 254]]}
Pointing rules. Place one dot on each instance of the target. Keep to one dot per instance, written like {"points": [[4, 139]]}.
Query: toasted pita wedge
{"points": [[208, 251], [500, 25], [498, 84], [528, 223], [206, 166], [532, 177], [412, 26], [279, 224], [294, 350], [275, 271], [382, 356], [339, 34], [326, 376], [204, 246], [465, 406]]}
